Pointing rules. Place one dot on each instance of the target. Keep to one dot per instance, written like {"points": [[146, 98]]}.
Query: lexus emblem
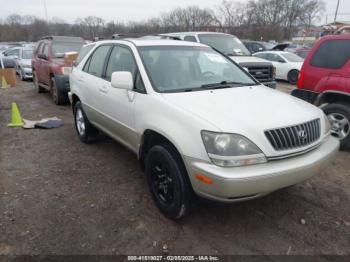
{"points": [[302, 134]]}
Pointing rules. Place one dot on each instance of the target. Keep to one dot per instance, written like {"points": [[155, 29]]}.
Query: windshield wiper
{"points": [[225, 84]]}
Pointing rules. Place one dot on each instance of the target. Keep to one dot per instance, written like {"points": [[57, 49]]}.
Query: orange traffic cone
{"points": [[16, 119]]}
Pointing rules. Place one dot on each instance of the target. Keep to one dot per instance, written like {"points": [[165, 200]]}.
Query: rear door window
{"points": [[95, 64], [332, 54]]}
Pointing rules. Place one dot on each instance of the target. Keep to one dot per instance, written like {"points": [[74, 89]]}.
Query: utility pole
{"points": [[46, 16], [336, 12]]}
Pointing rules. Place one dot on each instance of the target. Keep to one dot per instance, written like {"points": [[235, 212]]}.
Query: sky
{"points": [[126, 10]]}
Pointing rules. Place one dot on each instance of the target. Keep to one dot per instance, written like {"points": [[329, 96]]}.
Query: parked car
{"points": [[232, 47], [324, 81], [303, 52], [287, 64], [51, 69], [343, 30], [12, 52], [197, 121], [24, 63], [258, 46]]}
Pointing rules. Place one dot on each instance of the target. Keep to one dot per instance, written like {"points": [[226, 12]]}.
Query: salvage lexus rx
{"points": [[198, 122]]}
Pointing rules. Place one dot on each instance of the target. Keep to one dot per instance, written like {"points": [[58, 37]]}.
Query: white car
{"points": [[24, 63], [287, 64], [232, 47], [198, 123]]}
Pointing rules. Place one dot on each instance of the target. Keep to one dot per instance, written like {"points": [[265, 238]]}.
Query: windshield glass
{"points": [[59, 48], [179, 69], [27, 54], [292, 57], [227, 44], [268, 45]]}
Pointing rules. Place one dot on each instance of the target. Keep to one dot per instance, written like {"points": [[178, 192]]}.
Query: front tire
{"points": [[168, 181], [339, 117], [58, 97], [86, 131], [293, 76]]}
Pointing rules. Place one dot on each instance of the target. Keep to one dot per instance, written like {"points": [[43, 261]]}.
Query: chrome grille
{"points": [[262, 74], [294, 136]]}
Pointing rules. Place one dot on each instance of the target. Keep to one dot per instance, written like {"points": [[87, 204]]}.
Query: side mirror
{"points": [[281, 61], [123, 80]]}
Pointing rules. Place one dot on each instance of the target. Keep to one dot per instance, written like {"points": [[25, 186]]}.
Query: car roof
{"points": [[198, 33], [274, 52], [153, 42]]}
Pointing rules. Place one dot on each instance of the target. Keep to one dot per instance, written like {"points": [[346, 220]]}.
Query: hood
{"points": [[61, 62], [245, 110], [27, 62], [248, 59]]}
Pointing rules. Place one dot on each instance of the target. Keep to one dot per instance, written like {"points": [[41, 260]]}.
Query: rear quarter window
{"points": [[332, 54]]}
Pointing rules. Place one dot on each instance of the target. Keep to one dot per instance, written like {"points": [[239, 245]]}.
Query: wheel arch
{"points": [[329, 97], [150, 138], [75, 99]]}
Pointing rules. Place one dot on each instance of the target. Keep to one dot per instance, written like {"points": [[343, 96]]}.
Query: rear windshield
{"points": [[292, 57], [227, 44], [27, 54], [59, 48], [332, 54]]}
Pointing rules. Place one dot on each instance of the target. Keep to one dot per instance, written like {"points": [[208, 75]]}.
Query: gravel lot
{"points": [[59, 196]]}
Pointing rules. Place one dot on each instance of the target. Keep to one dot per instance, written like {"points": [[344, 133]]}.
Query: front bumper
{"points": [[27, 72], [243, 183], [306, 95], [272, 84]]}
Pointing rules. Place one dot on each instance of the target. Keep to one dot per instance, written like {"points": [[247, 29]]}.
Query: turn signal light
{"points": [[301, 78], [204, 179]]}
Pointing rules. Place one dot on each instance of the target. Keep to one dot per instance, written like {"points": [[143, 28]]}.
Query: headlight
{"points": [[66, 70], [230, 150], [327, 126]]}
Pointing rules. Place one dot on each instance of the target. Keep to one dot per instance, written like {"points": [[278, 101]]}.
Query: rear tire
{"points": [[86, 131], [58, 97], [339, 117], [37, 87], [168, 181], [293, 76]]}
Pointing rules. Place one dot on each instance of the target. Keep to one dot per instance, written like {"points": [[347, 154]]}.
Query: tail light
{"points": [[301, 79]]}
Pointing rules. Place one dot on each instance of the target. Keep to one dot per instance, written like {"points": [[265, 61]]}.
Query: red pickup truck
{"points": [[50, 69], [324, 80]]}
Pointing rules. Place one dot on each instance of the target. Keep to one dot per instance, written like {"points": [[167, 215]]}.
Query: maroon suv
{"points": [[51, 69], [324, 80]]}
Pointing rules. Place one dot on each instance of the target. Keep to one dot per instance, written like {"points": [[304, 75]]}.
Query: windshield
{"points": [[59, 48], [292, 57], [27, 54], [268, 45], [179, 69], [227, 44]]}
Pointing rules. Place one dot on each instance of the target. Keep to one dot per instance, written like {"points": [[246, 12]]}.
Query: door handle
{"points": [[103, 89]]}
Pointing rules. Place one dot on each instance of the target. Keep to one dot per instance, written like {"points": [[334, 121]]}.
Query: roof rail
{"points": [[63, 38]]}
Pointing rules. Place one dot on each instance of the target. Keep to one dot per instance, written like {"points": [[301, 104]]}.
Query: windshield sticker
{"points": [[215, 58]]}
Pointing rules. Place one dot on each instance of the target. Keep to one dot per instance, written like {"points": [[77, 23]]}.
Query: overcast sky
{"points": [[124, 10]]}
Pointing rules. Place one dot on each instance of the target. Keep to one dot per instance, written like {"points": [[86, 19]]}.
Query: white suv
{"points": [[198, 123]]}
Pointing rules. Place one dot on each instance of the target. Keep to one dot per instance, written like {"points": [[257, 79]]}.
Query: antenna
{"points": [[46, 16], [336, 12]]}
